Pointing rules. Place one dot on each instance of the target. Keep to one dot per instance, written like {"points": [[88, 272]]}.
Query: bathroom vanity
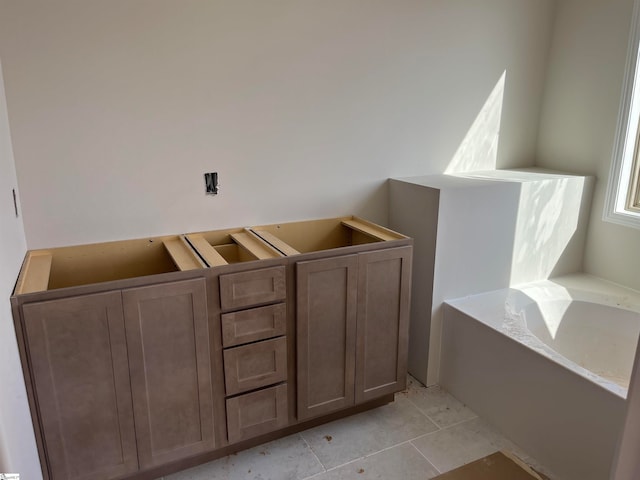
{"points": [[144, 357]]}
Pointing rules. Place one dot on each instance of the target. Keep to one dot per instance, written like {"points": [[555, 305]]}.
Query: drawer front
{"points": [[254, 324], [246, 289], [256, 365], [257, 413]]}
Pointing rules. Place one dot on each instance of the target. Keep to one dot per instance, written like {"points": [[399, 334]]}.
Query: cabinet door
{"points": [[78, 357], [326, 327], [383, 322], [168, 342]]}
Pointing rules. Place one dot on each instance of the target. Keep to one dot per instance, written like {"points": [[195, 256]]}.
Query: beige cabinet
{"points": [[327, 299], [384, 286], [256, 413], [352, 329], [144, 357], [167, 334], [79, 367], [103, 364], [255, 352]]}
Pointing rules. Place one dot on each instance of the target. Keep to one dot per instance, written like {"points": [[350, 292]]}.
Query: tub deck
{"points": [[502, 310], [566, 416]]}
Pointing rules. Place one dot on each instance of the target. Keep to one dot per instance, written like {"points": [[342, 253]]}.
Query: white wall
{"points": [[578, 120], [117, 108], [17, 444]]}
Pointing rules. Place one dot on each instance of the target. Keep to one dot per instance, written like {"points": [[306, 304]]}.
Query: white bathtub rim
{"points": [[500, 310], [587, 288]]}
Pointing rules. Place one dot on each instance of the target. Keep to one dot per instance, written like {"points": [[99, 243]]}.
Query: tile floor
{"points": [[423, 433]]}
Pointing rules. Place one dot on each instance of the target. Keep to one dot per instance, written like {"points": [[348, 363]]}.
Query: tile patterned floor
{"points": [[423, 433]]}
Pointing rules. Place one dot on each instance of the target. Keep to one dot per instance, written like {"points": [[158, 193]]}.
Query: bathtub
{"points": [[548, 363]]}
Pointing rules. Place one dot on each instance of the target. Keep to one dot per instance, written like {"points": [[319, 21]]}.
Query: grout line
{"points": [[324, 469], [460, 423], [409, 440], [315, 475], [432, 420], [386, 448], [363, 457], [423, 413], [438, 429], [371, 453], [442, 429], [367, 455], [349, 462], [425, 457]]}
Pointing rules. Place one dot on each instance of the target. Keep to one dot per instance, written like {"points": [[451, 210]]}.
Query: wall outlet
{"points": [[211, 183]]}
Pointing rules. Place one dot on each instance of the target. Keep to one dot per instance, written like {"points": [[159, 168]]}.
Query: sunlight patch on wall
{"points": [[548, 217], [479, 149]]}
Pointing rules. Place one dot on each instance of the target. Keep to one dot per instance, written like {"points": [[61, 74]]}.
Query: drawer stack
{"points": [[253, 323]]}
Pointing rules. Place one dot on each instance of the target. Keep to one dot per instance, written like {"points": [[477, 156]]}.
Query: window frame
{"points": [[622, 200], [633, 198]]}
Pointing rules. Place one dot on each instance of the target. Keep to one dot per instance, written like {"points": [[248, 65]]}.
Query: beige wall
{"points": [[117, 108], [17, 443], [579, 115]]}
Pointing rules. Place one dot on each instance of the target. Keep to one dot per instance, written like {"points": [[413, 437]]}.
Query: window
{"points": [[633, 202], [622, 203]]}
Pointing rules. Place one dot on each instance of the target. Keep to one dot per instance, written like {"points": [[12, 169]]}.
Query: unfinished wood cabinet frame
{"points": [[97, 263], [309, 236], [215, 247], [206, 250], [183, 255], [34, 276]]}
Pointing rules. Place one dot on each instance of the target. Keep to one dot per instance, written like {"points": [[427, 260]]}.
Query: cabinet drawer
{"points": [[246, 289], [254, 324], [256, 413], [256, 365]]}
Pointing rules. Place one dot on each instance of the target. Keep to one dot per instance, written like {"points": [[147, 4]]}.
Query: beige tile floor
{"points": [[423, 433]]}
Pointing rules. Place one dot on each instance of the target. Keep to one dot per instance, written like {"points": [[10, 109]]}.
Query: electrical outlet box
{"points": [[211, 183]]}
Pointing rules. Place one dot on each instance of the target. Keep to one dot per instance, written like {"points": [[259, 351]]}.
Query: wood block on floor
{"points": [[497, 466]]}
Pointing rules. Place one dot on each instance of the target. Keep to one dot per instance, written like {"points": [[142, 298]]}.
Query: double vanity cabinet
{"points": [[144, 357]]}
